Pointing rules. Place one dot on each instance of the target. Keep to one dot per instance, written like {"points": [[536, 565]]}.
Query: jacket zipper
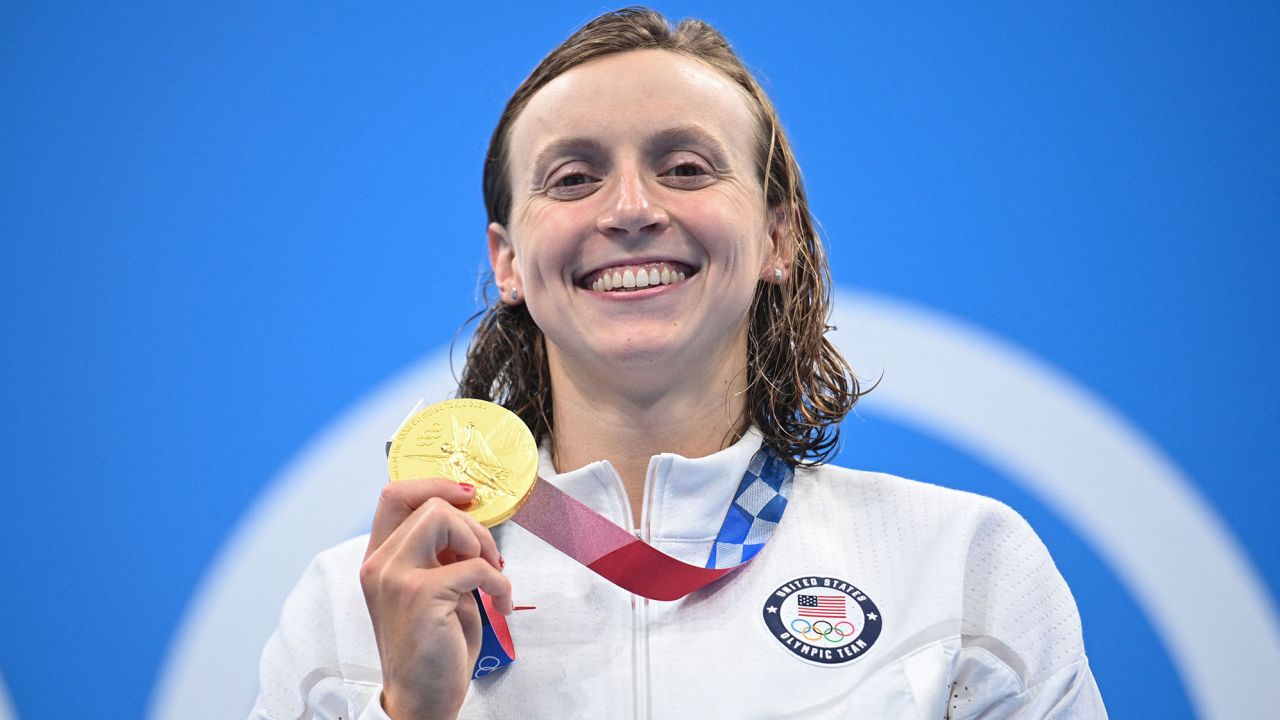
{"points": [[640, 690], [640, 654]]}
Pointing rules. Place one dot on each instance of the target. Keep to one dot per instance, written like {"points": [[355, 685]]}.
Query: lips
{"points": [[630, 277]]}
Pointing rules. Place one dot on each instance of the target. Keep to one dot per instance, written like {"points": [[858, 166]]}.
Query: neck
{"points": [[599, 418]]}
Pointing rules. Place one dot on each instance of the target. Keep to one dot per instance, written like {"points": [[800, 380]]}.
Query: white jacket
{"points": [[973, 619]]}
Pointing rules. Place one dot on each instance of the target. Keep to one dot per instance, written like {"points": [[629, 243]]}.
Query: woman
{"points": [[660, 324]]}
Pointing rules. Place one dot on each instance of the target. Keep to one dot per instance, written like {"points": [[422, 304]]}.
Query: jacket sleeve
{"points": [[321, 660], [1022, 653]]}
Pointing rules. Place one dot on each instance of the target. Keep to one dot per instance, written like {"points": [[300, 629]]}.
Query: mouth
{"points": [[629, 278]]}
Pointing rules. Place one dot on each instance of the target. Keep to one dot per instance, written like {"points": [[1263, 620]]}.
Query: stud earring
{"points": [[777, 274], [514, 294]]}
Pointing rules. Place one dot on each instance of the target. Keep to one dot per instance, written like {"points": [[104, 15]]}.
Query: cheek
{"points": [[730, 222], [545, 239]]}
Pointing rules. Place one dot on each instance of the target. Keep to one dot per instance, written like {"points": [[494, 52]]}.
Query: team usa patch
{"points": [[823, 620]]}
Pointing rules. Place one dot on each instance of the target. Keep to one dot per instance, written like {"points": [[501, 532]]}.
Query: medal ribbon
{"points": [[636, 566], [633, 564]]}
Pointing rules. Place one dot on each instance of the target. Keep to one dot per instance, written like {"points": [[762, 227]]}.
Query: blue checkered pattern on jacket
{"points": [[755, 511]]}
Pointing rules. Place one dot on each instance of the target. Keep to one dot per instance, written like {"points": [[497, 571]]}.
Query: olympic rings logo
{"points": [[823, 630], [486, 665]]}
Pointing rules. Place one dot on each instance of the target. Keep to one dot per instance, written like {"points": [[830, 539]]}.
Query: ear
{"points": [[780, 247], [505, 264]]}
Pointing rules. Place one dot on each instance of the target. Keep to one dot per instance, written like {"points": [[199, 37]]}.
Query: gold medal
{"points": [[469, 441]]}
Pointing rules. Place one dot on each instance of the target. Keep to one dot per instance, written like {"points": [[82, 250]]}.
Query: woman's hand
{"points": [[425, 556]]}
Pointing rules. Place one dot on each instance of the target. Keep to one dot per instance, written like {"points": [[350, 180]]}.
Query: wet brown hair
{"points": [[799, 387]]}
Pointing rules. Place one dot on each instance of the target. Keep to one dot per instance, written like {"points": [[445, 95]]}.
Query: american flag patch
{"points": [[820, 606]]}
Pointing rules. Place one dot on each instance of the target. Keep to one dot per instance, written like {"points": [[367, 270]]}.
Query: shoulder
{"points": [[340, 562], [328, 597], [987, 535], [910, 501], [1010, 597]]}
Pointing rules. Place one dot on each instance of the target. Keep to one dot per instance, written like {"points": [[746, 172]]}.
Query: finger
{"points": [[488, 546], [436, 534], [401, 499], [463, 577]]}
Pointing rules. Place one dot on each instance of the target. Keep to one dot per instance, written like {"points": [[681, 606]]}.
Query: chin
{"points": [[641, 349]]}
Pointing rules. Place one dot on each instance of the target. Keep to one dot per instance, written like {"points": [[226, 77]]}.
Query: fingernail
{"points": [[466, 486], [501, 562]]}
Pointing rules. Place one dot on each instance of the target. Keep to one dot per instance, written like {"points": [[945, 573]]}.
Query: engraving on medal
{"points": [[468, 458], [470, 441]]}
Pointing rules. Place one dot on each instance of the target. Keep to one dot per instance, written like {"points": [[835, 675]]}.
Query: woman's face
{"points": [[638, 228]]}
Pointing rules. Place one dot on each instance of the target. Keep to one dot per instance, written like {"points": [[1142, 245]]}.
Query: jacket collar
{"points": [[685, 498]]}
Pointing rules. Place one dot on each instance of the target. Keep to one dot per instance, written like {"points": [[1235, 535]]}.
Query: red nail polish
{"points": [[466, 486], [501, 562]]}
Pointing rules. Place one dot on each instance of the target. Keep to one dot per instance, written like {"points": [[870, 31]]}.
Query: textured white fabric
{"points": [[977, 621]]}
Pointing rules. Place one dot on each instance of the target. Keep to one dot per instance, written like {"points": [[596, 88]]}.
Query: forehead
{"points": [[630, 97]]}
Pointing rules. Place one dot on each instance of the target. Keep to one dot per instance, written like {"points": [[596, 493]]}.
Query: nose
{"points": [[632, 208]]}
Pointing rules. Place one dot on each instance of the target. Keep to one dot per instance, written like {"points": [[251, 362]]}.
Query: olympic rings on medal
{"points": [[815, 631]]}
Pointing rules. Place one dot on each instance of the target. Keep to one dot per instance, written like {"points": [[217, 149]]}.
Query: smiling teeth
{"points": [[636, 277]]}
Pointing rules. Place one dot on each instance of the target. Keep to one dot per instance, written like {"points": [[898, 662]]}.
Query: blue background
{"points": [[211, 213]]}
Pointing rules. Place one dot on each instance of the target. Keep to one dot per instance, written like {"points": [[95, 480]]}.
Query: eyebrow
{"points": [[661, 141], [666, 139], [562, 146]]}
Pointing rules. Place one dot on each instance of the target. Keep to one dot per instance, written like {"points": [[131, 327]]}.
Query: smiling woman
{"points": [[660, 327], [676, 188]]}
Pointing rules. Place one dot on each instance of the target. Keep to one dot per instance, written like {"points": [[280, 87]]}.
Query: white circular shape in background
{"points": [[6, 705], [941, 377]]}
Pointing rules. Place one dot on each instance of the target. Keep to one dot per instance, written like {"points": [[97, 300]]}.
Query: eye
{"points": [[688, 174], [571, 184]]}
